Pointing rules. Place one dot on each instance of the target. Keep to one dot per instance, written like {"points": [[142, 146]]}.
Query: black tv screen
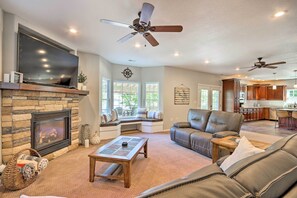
{"points": [[43, 63]]}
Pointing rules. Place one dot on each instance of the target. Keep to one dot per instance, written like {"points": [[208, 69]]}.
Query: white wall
{"points": [[175, 77], [89, 64], [1, 34]]}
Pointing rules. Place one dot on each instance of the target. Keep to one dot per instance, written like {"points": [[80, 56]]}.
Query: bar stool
{"points": [[294, 119], [282, 114]]}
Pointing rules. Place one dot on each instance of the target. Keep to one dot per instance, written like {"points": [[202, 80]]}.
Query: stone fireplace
{"points": [[44, 120], [50, 131]]}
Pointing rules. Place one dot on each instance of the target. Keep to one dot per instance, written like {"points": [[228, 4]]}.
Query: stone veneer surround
{"points": [[16, 109]]}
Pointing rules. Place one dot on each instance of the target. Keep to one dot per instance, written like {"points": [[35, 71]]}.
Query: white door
{"points": [[209, 97]]}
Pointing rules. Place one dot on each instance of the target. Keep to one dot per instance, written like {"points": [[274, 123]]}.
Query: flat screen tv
{"points": [[43, 63]]}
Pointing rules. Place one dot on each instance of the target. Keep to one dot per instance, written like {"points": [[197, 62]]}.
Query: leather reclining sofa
{"points": [[269, 174], [202, 126]]}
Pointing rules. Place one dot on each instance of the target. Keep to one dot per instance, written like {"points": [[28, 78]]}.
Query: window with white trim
{"points": [[105, 93], [126, 98], [152, 96], [291, 96]]}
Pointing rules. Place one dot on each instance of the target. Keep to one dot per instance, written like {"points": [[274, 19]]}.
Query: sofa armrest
{"points": [[182, 125], [222, 134]]}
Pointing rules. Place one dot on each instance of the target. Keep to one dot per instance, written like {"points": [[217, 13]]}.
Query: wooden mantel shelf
{"points": [[35, 87]]}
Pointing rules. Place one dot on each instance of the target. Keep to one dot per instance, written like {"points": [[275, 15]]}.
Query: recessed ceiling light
{"points": [[41, 51], [206, 61], [279, 14], [237, 68], [62, 76], [51, 78], [46, 65], [176, 54], [246, 77], [253, 78], [72, 30], [48, 70], [44, 60], [137, 45]]}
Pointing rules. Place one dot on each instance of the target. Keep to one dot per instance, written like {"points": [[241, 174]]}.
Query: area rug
{"points": [[68, 175]]}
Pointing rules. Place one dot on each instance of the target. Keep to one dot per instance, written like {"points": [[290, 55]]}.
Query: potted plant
{"points": [[82, 78]]}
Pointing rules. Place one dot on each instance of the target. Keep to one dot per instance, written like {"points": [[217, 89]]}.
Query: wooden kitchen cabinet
{"points": [[231, 94], [261, 92], [266, 114], [278, 94], [251, 95]]}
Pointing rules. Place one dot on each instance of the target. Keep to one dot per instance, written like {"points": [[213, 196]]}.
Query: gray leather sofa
{"points": [[202, 126], [270, 174]]}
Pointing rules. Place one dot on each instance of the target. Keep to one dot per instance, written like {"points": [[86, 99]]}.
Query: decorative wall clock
{"points": [[127, 73]]}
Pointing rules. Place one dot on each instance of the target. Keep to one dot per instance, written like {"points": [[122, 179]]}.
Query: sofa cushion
{"points": [[290, 145], [182, 125], [151, 120], [224, 121], [210, 186], [263, 173], [201, 143], [198, 118], [243, 150], [182, 136], [115, 123]]}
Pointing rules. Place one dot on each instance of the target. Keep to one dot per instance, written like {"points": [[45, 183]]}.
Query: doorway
{"points": [[209, 97]]}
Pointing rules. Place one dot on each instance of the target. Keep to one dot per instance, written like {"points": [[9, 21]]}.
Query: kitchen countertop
{"points": [[288, 109]]}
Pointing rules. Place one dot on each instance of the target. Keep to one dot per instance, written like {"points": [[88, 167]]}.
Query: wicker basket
{"points": [[12, 179]]}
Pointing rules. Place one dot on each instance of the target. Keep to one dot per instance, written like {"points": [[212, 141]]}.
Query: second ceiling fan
{"points": [[142, 25]]}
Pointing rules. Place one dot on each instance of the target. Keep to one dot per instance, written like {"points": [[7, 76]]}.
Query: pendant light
{"points": [[295, 84], [274, 85]]}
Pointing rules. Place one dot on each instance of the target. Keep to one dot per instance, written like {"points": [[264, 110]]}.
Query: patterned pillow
{"points": [[141, 113], [114, 115], [151, 114], [108, 118], [103, 119], [158, 115]]}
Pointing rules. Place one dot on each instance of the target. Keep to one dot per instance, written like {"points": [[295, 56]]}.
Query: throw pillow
{"points": [[243, 150], [103, 119], [108, 118], [114, 115], [141, 113], [158, 115], [151, 114]]}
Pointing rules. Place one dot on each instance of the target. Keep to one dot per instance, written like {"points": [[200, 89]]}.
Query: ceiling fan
{"points": [[263, 64], [142, 25]]}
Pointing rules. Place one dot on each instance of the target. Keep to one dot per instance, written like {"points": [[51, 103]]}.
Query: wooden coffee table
{"points": [[230, 144], [120, 156]]}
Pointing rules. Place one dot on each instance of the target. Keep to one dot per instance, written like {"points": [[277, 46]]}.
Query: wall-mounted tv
{"points": [[44, 63]]}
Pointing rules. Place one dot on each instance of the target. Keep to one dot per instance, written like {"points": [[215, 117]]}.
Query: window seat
{"points": [[113, 129]]}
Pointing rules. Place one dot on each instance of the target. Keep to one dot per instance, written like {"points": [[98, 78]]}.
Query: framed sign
{"points": [[181, 95], [16, 77]]}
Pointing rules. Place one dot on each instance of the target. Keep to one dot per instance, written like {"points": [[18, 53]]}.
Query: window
{"points": [[105, 93], [126, 98], [152, 96], [291, 96]]}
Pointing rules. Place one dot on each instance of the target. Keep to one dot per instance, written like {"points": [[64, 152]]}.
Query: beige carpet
{"points": [[68, 175]]}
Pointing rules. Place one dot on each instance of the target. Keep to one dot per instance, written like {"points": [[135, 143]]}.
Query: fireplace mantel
{"points": [[35, 87]]}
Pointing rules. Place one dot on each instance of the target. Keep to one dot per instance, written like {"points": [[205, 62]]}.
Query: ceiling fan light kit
{"points": [[142, 25]]}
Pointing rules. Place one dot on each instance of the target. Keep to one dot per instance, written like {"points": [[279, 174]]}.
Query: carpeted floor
{"points": [[68, 175]]}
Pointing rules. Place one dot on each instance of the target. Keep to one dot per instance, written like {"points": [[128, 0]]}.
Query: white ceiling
{"points": [[229, 33]]}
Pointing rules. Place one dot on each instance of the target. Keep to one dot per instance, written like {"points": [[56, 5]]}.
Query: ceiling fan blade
{"points": [[270, 67], [276, 63], [146, 14], [166, 28], [107, 21], [150, 39], [127, 37], [252, 69]]}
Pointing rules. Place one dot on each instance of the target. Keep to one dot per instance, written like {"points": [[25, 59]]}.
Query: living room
{"points": [[160, 96]]}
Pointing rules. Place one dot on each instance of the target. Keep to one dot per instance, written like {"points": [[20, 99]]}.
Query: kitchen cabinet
{"points": [[276, 94], [251, 95], [266, 113], [265, 92], [231, 95]]}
